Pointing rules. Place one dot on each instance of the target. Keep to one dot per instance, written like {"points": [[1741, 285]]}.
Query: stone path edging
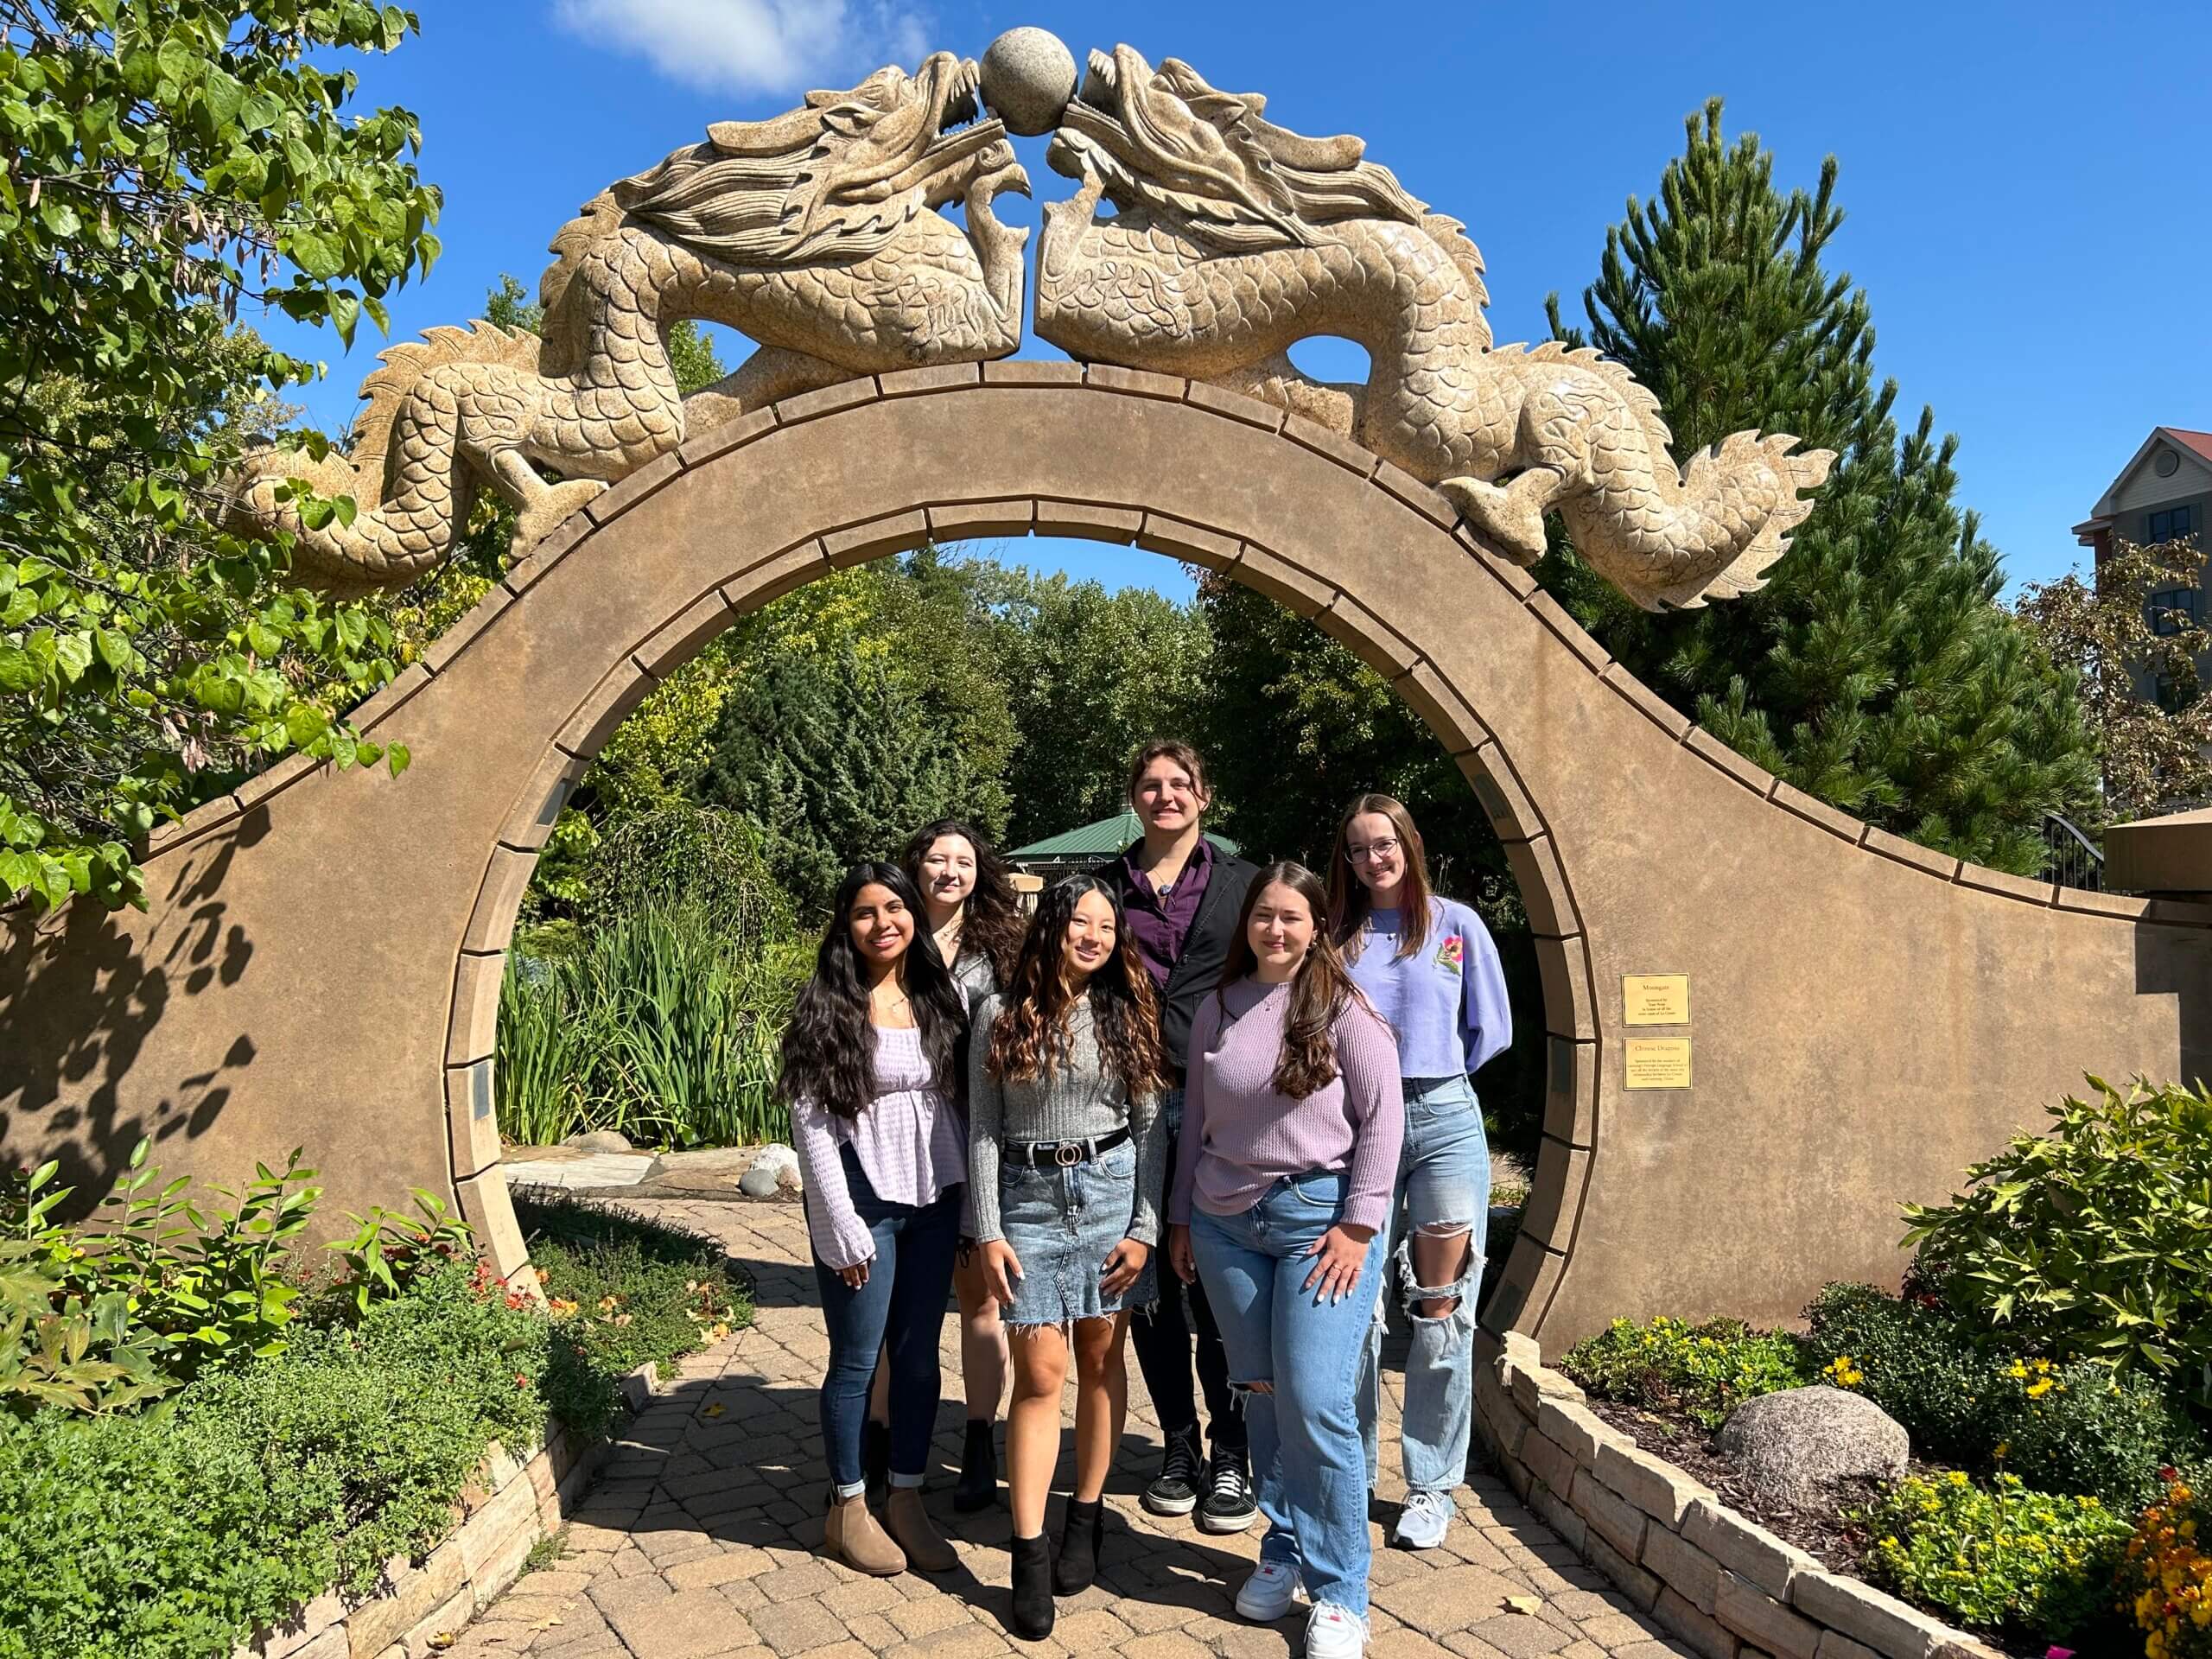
{"points": [[1730, 1589], [507, 1510]]}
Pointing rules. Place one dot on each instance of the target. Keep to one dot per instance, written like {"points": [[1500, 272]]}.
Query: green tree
{"points": [[166, 163], [835, 761], [1878, 670], [1088, 674]]}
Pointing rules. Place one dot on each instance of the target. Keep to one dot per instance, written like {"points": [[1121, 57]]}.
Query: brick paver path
{"points": [[700, 1540]]}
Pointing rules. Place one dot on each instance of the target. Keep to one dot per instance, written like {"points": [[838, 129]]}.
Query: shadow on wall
{"points": [[100, 986], [2178, 962]]}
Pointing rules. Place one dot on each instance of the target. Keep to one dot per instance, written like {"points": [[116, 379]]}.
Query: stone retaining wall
{"points": [[509, 1507], [1728, 1588]]}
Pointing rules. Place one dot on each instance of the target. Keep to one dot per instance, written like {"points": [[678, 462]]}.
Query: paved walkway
{"points": [[699, 1541]]}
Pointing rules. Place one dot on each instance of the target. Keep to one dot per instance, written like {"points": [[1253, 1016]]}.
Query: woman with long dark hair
{"points": [[976, 919], [872, 1069], [1291, 1128], [1067, 1146], [1431, 969]]}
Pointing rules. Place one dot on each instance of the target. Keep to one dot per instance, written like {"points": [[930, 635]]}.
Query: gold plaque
{"points": [[1658, 1062], [1655, 999]]}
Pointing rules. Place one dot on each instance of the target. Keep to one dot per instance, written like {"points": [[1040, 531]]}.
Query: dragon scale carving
{"points": [[814, 234], [1232, 238]]}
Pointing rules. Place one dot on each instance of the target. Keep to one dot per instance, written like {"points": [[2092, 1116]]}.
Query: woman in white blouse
{"points": [[872, 1066]]}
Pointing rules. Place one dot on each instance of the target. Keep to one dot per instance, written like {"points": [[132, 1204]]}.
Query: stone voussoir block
{"points": [[721, 439], [1867, 1615], [1235, 404], [954, 521], [937, 376], [1652, 1484], [896, 533], [1756, 1556], [1758, 1617], [623, 687], [1612, 1516], [1420, 497], [1143, 383], [1180, 540], [826, 400], [1089, 520], [1312, 435]]}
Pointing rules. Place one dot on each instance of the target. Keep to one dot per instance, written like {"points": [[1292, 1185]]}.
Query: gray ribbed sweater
{"points": [[1071, 1104]]}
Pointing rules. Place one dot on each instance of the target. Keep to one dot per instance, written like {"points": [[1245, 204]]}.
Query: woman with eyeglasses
{"points": [[1430, 967], [1067, 1144]]}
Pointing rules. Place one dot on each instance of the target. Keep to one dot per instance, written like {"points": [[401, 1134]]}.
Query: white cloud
{"points": [[754, 46]]}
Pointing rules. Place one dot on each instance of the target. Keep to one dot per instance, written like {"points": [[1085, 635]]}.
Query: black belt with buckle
{"points": [[1066, 1153]]}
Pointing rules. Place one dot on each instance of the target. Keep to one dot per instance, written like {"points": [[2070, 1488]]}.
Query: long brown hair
{"points": [[1349, 898], [1319, 992], [1031, 1037], [991, 915]]}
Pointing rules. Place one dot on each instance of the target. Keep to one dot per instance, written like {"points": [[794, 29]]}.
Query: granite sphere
{"points": [[1029, 78]]}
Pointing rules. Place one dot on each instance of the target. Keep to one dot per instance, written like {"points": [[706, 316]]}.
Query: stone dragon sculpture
{"points": [[1232, 238], [814, 234]]}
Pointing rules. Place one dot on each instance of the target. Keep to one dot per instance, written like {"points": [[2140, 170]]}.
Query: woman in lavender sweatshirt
{"points": [[1429, 966], [1291, 1128]]}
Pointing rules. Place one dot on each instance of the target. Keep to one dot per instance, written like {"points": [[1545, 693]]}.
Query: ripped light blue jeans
{"points": [[1443, 1187], [1305, 1430]]}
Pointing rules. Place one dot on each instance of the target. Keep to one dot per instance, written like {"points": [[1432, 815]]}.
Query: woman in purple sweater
{"points": [[1291, 1131]]}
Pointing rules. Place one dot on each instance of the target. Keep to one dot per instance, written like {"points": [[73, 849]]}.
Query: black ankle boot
{"points": [[1032, 1588], [875, 1458], [1079, 1540], [979, 1470]]}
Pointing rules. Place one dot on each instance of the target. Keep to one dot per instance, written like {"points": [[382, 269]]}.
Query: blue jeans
{"points": [[1306, 1449], [1443, 1187], [902, 1307]]}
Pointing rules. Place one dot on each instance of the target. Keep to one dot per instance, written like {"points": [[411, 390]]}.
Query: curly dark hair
{"points": [[829, 1044], [1319, 992], [1031, 1037], [993, 923]]}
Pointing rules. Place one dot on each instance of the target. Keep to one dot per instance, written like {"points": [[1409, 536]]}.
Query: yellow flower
{"points": [[1958, 1477]]}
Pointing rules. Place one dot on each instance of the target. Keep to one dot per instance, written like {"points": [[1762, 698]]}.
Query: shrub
{"points": [[2093, 1241], [2166, 1575], [1999, 1557], [657, 1023], [684, 854], [2061, 1427], [1704, 1371]]}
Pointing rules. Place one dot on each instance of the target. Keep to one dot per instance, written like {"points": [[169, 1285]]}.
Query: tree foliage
{"points": [[1878, 670], [2135, 655], [167, 163]]}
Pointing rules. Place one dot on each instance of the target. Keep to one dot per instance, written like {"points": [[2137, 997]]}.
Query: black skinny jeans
{"points": [[1163, 1341]]}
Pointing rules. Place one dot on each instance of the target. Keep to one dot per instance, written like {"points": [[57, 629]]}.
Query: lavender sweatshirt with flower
{"points": [[1240, 1136], [1447, 1001]]}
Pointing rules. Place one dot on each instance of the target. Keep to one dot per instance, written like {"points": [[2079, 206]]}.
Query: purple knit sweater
{"points": [[1240, 1136]]}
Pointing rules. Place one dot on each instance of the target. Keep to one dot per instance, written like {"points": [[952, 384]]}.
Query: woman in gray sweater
{"points": [[1068, 1147]]}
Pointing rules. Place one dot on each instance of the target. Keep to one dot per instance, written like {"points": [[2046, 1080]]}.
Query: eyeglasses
{"points": [[1372, 850]]}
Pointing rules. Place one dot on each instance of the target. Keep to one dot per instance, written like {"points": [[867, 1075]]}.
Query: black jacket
{"points": [[1205, 947]]}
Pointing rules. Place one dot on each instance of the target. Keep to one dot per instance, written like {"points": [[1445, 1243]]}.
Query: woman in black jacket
{"points": [[1182, 894]]}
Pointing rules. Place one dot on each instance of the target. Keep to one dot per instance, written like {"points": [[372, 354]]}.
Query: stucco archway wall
{"points": [[320, 965]]}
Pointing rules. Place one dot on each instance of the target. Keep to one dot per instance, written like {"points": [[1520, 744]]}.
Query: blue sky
{"points": [[2024, 211]]}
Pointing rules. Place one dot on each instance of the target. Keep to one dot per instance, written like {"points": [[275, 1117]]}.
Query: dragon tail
{"points": [[1726, 481], [402, 468]]}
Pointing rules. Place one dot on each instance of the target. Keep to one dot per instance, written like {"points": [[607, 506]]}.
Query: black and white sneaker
{"points": [[1176, 1491], [1228, 1506]]}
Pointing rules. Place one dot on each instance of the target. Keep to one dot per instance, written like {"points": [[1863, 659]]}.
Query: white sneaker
{"points": [[1271, 1591], [1424, 1519], [1333, 1633]]}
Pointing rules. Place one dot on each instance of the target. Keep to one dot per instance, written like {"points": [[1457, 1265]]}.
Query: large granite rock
{"points": [[599, 1141], [1793, 1446]]}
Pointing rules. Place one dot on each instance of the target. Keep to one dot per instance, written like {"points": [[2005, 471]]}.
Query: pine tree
{"points": [[1878, 670], [835, 762]]}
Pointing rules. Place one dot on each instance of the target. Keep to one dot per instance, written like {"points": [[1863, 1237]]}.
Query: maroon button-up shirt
{"points": [[1163, 922]]}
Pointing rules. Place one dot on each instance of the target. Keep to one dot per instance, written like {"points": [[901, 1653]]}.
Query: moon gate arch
{"points": [[1859, 1008]]}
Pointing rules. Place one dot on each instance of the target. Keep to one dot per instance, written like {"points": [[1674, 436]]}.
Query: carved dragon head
{"points": [[1167, 149], [833, 182]]}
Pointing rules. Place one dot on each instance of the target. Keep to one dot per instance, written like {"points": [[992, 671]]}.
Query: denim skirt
{"points": [[1062, 1222]]}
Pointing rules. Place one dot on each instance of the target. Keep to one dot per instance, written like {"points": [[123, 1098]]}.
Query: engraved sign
{"points": [[1657, 1062], [1655, 999]]}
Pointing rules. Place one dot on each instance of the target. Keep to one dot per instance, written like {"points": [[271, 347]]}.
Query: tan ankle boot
{"points": [[917, 1534], [850, 1534]]}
